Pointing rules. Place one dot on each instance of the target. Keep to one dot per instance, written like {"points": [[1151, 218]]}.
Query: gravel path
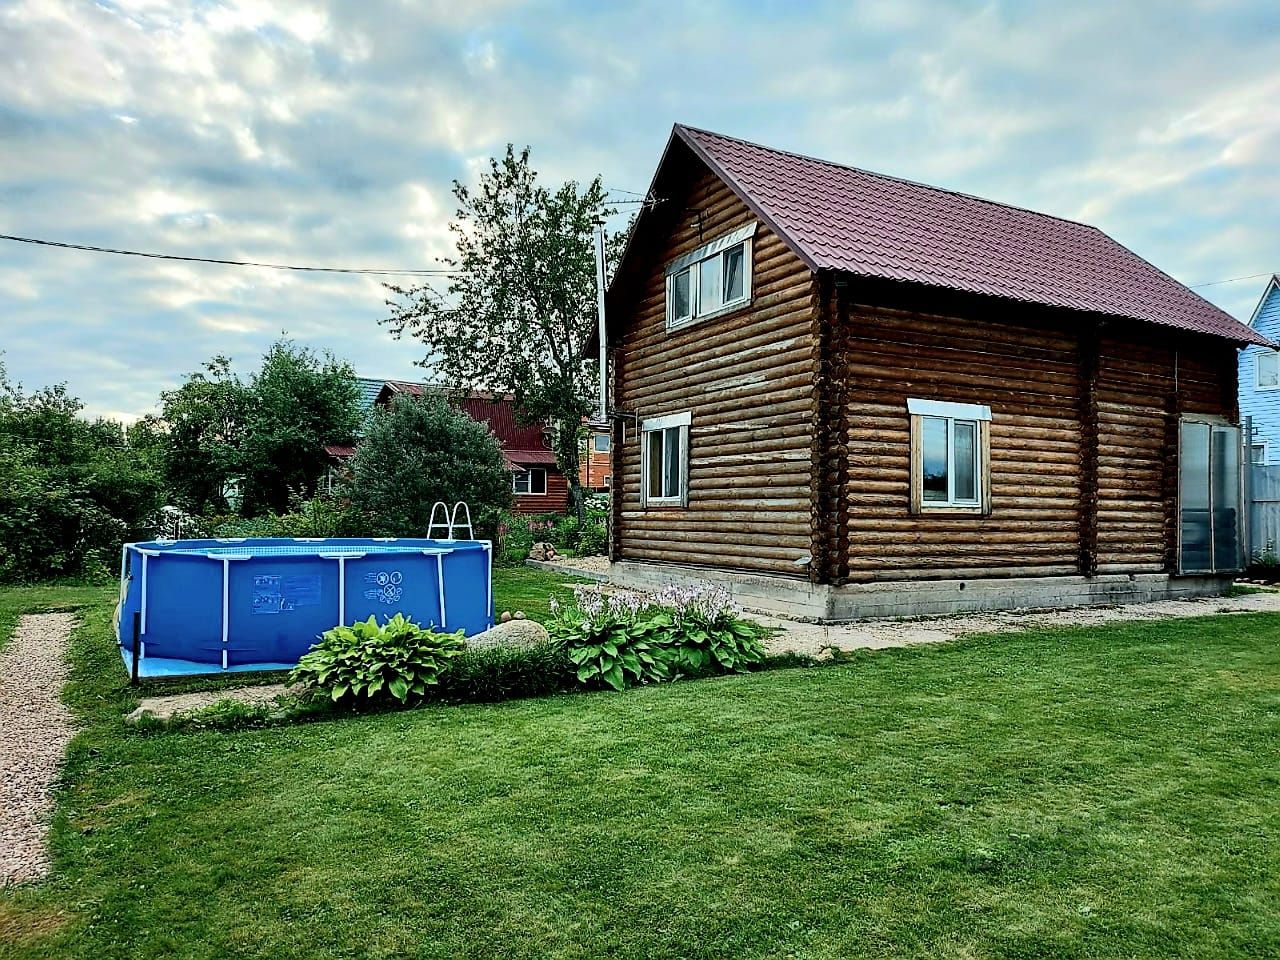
{"points": [[818, 640], [35, 728], [815, 639]]}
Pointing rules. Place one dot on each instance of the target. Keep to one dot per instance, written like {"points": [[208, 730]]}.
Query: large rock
{"points": [[513, 633], [543, 551]]}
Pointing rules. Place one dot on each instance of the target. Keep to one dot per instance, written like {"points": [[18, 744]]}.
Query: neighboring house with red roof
{"points": [[845, 394], [537, 482]]}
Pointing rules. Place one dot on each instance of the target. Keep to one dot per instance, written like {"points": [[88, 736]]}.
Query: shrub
{"points": [[367, 662], [593, 541], [71, 490], [564, 533], [707, 635], [610, 638], [422, 450], [624, 639], [515, 539], [321, 516], [492, 674]]}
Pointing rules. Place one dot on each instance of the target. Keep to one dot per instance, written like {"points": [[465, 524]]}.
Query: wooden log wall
{"points": [[1146, 383], [1083, 441], [747, 379], [1030, 377]]}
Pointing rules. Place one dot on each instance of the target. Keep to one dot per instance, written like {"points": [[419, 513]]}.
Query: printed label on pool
{"points": [[276, 594], [387, 589]]}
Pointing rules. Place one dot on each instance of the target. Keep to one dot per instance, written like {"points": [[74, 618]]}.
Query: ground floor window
{"points": [[533, 480], [950, 450], [1209, 497], [664, 460], [1258, 453]]}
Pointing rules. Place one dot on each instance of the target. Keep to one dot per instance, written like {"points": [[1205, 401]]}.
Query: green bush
{"points": [[492, 674], [623, 639], [71, 490], [564, 533], [515, 538], [321, 516], [593, 541], [367, 662], [422, 450]]}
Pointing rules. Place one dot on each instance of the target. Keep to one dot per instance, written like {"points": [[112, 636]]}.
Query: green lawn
{"points": [[1069, 793]]}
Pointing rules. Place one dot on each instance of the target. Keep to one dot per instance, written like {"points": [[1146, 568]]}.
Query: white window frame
{"points": [[691, 263], [1258, 445], [659, 426], [1274, 357], [595, 443], [950, 413], [515, 482]]}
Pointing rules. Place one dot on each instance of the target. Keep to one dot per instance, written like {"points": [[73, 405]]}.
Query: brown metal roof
{"points": [[841, 218]]}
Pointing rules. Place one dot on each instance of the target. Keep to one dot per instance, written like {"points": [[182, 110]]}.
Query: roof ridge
{"points": [[889, 176]]}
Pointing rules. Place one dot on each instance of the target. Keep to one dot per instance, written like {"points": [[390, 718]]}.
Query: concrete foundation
{"points": [[801, 600]]}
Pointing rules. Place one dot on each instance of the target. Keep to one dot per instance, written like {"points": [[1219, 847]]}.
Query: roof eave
{"points": [[686, 136]]}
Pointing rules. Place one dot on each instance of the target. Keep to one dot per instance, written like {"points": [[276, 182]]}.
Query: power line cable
{"points": [[1214, 283], [368, 271]]}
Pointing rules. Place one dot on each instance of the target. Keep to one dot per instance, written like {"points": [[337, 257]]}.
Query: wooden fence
{"points": [[1264, 511]]}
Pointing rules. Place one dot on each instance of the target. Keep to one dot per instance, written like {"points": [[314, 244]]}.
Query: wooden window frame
{"points": [[1272, 355], [920, 410], [691, 263], [660, 425], [515, 479]]}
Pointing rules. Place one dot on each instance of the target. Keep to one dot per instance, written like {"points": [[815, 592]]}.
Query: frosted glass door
{"points": [[1208, 497], [1224, 468], [1196, 527]]}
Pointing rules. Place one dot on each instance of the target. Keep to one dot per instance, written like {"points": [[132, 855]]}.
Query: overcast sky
{"points": [[328, 133]]}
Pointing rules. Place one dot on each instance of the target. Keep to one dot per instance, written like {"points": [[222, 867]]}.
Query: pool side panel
{"points": [[279, 601]]}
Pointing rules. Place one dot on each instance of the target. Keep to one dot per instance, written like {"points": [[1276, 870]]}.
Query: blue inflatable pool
{"points": [[208, 606]]}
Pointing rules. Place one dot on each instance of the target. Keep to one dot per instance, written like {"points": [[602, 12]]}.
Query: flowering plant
{"points": [[625, 638]]}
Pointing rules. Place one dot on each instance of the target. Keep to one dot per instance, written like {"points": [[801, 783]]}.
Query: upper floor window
{"points": [[713, 279], [949, 456], [602, 443], [1268, 370]]}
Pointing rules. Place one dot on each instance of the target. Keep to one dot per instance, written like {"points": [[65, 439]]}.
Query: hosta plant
{"points": [[706, 632], [624, 639], [607, 640], [368, 661]]}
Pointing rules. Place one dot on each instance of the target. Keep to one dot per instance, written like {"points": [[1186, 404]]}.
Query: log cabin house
{"points": [[843, 394]]}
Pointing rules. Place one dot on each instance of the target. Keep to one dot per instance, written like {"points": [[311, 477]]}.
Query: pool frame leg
{"points": [[137, 648]]}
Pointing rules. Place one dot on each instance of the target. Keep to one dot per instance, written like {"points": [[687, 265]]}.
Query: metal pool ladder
{"points": [[450, 521]]}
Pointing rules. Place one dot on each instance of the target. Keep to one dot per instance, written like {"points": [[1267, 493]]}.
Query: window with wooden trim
{"points": [[664, 461], [602, 443], [1267, 370], [531, 481], [950, 457], [711, 280]]}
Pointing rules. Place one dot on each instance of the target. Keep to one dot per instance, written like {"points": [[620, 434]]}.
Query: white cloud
{"points": [[328, 131]]}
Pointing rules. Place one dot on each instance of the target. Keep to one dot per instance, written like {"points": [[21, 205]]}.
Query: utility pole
{"points": [[604, 355]]}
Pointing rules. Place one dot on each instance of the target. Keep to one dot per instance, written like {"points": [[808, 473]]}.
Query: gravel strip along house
{"points": [[35, 728], [843, 395]]}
